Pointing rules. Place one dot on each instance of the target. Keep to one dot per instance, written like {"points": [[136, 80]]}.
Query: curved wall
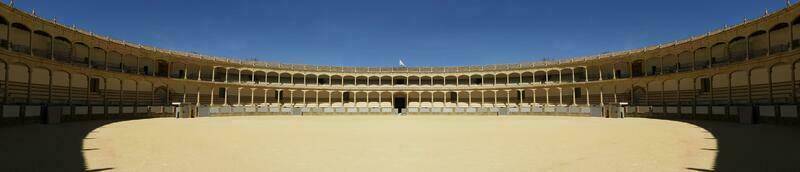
{"points": [[45, 63]]}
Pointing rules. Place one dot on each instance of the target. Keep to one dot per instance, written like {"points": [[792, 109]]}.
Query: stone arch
{"points": [[297, 78], [527, 77], [719, 53], [702, 58], [41, 44], [685, 60], [758, 43], [311, 79], [20, 38], [232, 75], [779, 38], [62, 48], [386, 80], [4, 40], [97, 58], [451, 80], [566, 75], [638, 68], [554, 76], [272, 77], [438, 80], [374, 80], [737, 49]]}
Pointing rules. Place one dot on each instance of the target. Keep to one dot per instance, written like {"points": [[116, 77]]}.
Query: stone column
{"points": [[547, 96], [225, 101], [252, 96], [239, 96]]}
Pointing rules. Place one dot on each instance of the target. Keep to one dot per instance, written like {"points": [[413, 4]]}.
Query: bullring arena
{"points": [[77, 101]]}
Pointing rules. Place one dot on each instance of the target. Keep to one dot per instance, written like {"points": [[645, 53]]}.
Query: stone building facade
{"points": [[748, 67]]}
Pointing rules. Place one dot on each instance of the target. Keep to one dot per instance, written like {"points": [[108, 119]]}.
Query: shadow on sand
{"points": [[760, 147], [38, 147]]}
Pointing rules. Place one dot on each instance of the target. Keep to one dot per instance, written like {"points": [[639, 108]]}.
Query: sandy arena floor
{"points": [[390, 143]]}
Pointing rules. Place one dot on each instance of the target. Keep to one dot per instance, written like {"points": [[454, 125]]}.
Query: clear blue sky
{"points": [[378, 32]]}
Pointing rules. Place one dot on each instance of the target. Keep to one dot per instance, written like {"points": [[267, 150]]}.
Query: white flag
{"points": [[402, 64]]}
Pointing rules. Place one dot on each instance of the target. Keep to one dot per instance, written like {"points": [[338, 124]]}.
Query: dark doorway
{"points": [[399, 104], [637, 68]]}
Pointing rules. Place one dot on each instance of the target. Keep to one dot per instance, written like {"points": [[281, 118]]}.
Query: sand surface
{"points": [[393, 143]]}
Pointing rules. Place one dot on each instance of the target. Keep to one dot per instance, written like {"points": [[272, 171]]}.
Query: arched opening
{"points": [[114, 61], [349, 80], [527, 77], [719, 53], [701, 58], [437, 80], [502, 78], [311, 79], [246, 76], [192, 72], [324, 80], [161, 96], [607, 71], [580, 74], [685, 60], [737, 49], [566, 75], [297, 78], [450, 80], [639, 94], [285, 78], [163, 68], [553, 76], [233, 75], [3, 33], [476, 80], [62, 48], [795, 33], [670, 63], [463, 80], [779, 38], [386, 80], [20, 38], [147, 66], [97, 58], [360, 80], [80, 54], [272, 77], [42, 44], [219, 74], [514, 78], [489, 79], [593, 73], [177, 70], [758, 43], [260, 76], [374, 80], [540, 77], [426, 80], [336, 80], [129, 65], [622, 70], [637, 66], [400, 80]]}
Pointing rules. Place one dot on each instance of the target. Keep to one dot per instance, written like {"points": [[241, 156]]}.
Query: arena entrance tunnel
{"points": [[400, 103]]}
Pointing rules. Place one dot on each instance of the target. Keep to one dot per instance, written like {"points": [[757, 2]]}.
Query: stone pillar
{"points": [[225, 101], [547, 96], [252, 96], [239, 96]]}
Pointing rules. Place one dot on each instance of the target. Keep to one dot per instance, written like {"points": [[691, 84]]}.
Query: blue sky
{"points": [[421, 32]]}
